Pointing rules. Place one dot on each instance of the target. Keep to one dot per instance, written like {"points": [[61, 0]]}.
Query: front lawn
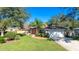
{"points": [[27, 43]]}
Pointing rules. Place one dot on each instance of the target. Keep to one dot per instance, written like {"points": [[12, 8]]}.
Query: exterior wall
{"points": [[33, 30], [56, 33], [76, 31], [12, 29]]}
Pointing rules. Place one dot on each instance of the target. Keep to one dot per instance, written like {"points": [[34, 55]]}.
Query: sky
{"points": [[44, 13]]}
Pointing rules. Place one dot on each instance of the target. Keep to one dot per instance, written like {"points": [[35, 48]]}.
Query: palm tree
{"points": [[37, 23]]}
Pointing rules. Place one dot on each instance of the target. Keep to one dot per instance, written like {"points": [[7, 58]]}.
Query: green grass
{"points": [[27, 43]]}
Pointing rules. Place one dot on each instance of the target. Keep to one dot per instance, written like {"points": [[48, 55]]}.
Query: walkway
{"points": [[72, 45]]}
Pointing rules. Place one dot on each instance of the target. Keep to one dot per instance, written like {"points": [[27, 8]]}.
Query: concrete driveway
{"points": [[72, 45]]}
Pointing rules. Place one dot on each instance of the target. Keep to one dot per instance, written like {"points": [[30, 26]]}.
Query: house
{"points": [[47, 29], [55, 32], [33, 30], [16, 29], [9, 29], [58, 32], [76, 31]]}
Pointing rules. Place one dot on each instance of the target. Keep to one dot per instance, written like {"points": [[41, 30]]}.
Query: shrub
{"points": [[10, 35], [38, 34], [75, 37], [42, 35], [2, 40], [49, 39], [17, 37], [21, 34]]}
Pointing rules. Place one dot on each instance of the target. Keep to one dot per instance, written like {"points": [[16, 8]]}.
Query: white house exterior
{"points": [[76, 31], [56, 34]]}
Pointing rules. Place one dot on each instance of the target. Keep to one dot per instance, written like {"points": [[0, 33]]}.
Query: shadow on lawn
{"points": [[67, 40]]}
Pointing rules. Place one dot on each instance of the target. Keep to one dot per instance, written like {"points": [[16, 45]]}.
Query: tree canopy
{"points": [[66, 20], [10, 16], [38, 23]]}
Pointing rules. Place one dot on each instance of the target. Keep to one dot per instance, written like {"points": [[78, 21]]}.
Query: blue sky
{"points": [[44, 13]]}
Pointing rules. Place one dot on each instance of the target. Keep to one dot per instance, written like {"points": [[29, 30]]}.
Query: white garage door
{"points": [[56, 34]]}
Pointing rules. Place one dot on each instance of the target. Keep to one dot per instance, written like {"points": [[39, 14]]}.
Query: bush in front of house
{"points": [[75, 37], [49, 39], [42, 33], [2, 40], [38, 34], [21, 34], [17, 37], [10, 35]]}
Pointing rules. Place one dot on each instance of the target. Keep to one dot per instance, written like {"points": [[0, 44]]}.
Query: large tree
{"points": [[54, 21], [10, 16], [71, 16]]}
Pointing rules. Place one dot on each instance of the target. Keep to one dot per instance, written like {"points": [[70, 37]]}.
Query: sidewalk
{"points": [[73, 45]]}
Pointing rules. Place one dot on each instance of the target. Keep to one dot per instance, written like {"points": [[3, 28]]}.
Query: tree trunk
{"points": [[2, 33]]}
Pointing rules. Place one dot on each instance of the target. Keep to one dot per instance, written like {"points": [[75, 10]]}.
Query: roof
{"points": [[33, 27], [76, 28], [56, 27]]}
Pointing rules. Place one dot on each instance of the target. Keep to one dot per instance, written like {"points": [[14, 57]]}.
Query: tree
{"points": [[37, 23], [12, 15], [53, 21], [66, 20], [74, 12]]}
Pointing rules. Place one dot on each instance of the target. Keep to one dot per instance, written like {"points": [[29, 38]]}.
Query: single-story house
{"points": [[58, 32], [12, 29], [15, 29]]}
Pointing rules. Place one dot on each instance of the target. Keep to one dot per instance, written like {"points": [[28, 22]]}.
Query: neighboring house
{"points": [[18, 29], [12, 29], [15, 29]]}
